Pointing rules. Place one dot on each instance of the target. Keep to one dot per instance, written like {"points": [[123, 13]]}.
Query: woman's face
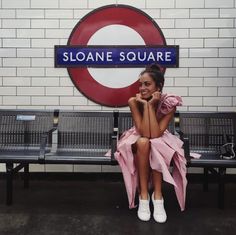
{"points": [[147, 86]]}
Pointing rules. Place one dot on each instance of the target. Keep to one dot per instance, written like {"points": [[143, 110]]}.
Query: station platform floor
{"points": [[99, 206]]}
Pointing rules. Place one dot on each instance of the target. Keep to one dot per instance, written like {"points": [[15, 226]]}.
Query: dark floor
{"points": [[100, 206]]}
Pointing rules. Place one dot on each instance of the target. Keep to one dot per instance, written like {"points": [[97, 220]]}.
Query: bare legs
{"points": [[143, 149], [157, 180], [143, 167]]}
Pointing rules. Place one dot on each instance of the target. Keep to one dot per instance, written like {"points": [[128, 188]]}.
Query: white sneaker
{"points": [[159, 212], [144, 213]]}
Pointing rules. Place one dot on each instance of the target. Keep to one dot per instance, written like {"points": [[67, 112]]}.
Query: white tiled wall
{"points": [[205, 30]]}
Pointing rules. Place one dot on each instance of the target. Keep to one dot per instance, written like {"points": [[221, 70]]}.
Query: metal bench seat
{"points": [[21, 136], [82, 157], [83, 138], [205, 133], [20, 156], [211, 159]]}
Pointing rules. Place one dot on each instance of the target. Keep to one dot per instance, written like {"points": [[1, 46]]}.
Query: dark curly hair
{"points": [[155, 73]]}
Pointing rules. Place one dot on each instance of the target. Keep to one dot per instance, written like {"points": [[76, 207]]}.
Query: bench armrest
{"points": [[43, 143], [181, 135], [186, 147], [113, 147], [186, 143]]}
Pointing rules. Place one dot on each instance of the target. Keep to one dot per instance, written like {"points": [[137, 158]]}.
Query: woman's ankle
{"points": [[157, 195], [144, 196]]}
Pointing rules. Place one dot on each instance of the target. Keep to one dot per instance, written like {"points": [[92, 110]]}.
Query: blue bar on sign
{"points": [[116, 56]]}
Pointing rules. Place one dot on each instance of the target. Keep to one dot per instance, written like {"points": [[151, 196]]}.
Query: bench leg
{"points": [[26, 176], [205, 179], [9, 181], [221, 190]]}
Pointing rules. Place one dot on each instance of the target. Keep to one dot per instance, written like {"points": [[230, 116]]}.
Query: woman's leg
{"points": [[157, 183], [143, 165], [159, 212]]}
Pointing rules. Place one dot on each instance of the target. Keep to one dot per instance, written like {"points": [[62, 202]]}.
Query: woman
{"points": [[145, 151]]}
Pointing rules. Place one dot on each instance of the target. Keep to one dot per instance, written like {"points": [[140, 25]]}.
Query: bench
{"points": [[21, 133], [53, 137], [81, 137], [205, 133], [58, 137]]}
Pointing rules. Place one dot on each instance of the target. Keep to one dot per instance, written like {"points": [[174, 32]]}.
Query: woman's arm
{"points": [[157, 128], [141, 120]]}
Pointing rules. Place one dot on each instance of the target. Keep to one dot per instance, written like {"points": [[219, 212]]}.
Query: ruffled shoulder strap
{"points": [[168, 102]]}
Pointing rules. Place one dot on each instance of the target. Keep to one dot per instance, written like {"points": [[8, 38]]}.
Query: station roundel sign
{"points": [[101, 17]]}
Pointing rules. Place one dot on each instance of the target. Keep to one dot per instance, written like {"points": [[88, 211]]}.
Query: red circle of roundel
{"points": [[87, 26]]}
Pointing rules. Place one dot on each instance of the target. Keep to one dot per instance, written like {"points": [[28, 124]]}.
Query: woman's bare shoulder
{"points": [[132, 100]]}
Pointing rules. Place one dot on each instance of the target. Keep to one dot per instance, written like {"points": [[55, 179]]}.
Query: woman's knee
{"points": [[143, 143]]}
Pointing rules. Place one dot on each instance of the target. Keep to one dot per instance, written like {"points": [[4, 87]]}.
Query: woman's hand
{"points": [[139, 99], [156, 96]]}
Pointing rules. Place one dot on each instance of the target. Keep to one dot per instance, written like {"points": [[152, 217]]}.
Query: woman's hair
{"points": [[155, 73]]}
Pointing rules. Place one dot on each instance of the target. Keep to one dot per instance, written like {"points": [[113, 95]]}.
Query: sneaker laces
{"points": [[144, 206], [159, 206]]}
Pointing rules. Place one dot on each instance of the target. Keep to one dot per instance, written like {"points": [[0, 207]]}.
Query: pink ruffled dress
{"points": [[164, 149]]}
